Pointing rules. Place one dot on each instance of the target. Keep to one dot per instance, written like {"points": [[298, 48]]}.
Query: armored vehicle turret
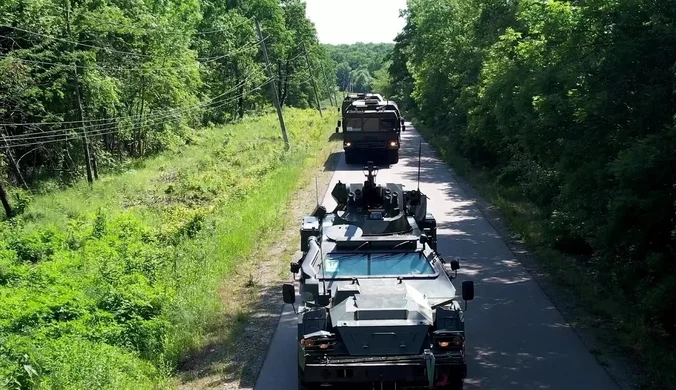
{"points": [[378, 305]]}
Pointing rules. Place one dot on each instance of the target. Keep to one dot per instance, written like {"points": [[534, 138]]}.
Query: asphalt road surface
{"points": [[516, 339]]}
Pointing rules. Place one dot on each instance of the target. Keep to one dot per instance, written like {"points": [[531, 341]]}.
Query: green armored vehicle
{"points": [[378, 306], [371, 128]]}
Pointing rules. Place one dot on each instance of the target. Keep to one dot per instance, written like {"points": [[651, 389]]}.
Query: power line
{"points": [[100, 132], [89, 125], [75, 43], [202, 60], [205, 32]]}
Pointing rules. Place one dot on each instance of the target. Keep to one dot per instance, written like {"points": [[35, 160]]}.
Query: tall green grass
{"points": [[105, 287]]}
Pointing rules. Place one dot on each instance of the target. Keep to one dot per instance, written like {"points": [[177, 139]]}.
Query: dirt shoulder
{"points": [[237, 345]]}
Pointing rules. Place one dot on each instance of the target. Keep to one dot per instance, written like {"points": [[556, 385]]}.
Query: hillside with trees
{"points": [[142, 163], [358, 65], [104, 82], [569, 107]]}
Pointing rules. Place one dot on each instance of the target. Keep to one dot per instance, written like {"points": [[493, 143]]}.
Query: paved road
{"points": [[516, 337]]}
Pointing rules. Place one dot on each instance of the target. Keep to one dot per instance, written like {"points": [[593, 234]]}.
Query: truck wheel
{"points": [[349, 157], [454, 384], [301, 384], [393, 157]]}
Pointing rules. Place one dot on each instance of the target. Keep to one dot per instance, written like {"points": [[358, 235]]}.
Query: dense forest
{"points": [[571, 102], [102, 82], [113, 282], [359, 66]]}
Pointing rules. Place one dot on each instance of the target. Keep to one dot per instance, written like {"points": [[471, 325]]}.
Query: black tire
{"points": [[301, 384], [454, 384], [393, 157], [350, 157]]}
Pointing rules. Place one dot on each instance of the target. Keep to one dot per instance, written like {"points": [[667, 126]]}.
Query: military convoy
{"points": [[378, 305], [371, 127]]}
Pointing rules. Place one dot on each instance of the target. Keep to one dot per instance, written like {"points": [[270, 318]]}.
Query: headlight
{"points": [[348, 144], [393, 143]]}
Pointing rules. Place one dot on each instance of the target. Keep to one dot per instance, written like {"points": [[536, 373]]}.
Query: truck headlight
{"points": [[393, 143], [348, 144]]}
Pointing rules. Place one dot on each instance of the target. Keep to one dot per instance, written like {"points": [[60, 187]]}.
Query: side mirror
{"points": [[467, 290], [423, 239], [339, 123], [295, 267], [455, 265], [289, 293]]}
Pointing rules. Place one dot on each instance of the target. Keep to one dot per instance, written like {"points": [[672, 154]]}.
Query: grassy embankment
{"points": [[106, 287], [587, 304]]}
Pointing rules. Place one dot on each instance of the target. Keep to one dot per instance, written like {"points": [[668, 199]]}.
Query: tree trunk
{"points": [[5, 203]]}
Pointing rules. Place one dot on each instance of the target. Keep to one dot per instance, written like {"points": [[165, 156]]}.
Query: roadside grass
{"points": [[587, 303], [105, 287]]}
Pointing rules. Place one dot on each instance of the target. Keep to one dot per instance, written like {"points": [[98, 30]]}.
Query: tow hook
{"points": [[429, 364]]}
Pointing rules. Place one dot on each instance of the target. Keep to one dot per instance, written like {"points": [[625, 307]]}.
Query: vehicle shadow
{"points": [[335, 137]]}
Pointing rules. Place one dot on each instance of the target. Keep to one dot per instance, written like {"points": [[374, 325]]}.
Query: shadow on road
{"points": [[335, 137]]}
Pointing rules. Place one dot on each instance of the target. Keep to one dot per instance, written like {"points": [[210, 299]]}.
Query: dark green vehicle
{"points": [[371, 128], [378, 306]]}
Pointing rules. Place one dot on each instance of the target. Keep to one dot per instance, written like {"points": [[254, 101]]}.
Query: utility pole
{"points": [[15, 164], [312, 78], [79, 98], [274, 86], [8, 208], [328, 85]]}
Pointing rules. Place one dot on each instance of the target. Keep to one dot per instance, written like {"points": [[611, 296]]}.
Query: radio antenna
{"points": [[317, 190], [321, 256], [419, 158]]}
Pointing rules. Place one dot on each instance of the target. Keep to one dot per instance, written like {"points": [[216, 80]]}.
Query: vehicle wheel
{"points": [[349, 157], [301, 384], [454, 384], [393, 156]]}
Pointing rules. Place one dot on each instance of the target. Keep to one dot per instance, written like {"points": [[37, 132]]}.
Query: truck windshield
{"points": [[340, 265], [370, 124]]}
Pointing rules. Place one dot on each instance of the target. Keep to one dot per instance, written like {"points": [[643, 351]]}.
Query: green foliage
{"points": [[569, 105], [359, 64], [106, 287], [138, 78]]}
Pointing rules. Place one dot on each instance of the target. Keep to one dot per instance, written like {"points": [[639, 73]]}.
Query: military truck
{"points": [[371, 128], [378, 306]]}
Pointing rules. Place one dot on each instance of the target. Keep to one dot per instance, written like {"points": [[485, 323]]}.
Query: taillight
{"points": [[320, 343], [448, 340]]}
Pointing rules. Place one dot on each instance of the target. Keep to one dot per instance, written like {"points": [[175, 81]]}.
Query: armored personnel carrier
{"points": [[371, 128], [378, 306]]}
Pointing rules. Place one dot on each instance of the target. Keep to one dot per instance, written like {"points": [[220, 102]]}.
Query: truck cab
{"points": [[371, 128]]}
